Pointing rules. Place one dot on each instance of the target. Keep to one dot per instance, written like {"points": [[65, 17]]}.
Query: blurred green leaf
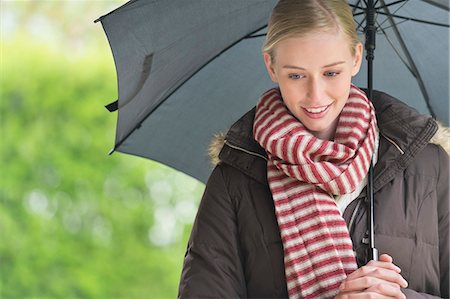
{"points": [[75, 222]]}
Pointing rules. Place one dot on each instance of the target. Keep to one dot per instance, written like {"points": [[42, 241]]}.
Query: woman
{"points": [[283, 213]]}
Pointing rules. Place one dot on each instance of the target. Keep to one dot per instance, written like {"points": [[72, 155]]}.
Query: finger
{"points": [[388, 275], [387, 290], [385, 264], [375, 276], [363, 283], [361, 295], [369, 267], [345, 295], [386, 258]]}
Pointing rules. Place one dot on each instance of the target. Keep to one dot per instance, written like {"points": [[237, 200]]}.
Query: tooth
{"points": [[316, 110]]}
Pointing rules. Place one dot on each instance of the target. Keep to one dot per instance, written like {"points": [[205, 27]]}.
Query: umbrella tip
{"points": [[114, 106], [111, 151]]}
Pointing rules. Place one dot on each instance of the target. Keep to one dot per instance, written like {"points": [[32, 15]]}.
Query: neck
{"points": [[328, 133]]}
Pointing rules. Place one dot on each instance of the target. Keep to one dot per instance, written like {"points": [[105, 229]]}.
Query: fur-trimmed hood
{"points": [[215, 147], [441, 137]]}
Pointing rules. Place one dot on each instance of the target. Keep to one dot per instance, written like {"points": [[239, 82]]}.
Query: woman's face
{"points": [[314, 75]]}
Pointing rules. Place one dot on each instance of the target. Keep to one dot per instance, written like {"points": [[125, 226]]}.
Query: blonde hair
{"points": [[297, 18]]}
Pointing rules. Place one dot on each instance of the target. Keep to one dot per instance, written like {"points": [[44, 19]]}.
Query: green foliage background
{"points": [[75, 222]]}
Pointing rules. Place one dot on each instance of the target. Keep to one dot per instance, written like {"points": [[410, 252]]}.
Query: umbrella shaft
{"points": [[370, 30]]}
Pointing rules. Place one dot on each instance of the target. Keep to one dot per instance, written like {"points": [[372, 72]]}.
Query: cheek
{"points": [[342, 87], [291, 96], [292, 88]]}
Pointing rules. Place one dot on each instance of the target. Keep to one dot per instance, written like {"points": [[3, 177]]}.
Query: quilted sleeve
{"points": [[212, 265]]}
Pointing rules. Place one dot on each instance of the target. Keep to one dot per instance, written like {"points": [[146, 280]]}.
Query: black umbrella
{"points": [[188, 69]]}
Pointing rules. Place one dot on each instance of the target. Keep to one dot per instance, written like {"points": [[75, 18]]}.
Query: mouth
{"points": [[316, 110]]}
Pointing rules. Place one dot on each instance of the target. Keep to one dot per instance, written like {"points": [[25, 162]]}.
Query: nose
{"points": [[315, 92]]}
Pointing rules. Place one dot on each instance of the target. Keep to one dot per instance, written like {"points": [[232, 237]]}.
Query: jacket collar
{"points": [[404, 132], [242, 151]]}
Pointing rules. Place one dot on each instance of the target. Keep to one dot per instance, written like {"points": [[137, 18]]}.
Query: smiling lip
{"points": [[316, 112]]}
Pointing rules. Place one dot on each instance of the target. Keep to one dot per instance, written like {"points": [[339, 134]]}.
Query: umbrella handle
{"points": [[373, 254]]}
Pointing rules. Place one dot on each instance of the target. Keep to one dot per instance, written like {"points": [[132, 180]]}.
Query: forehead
{"points": [[314, 46]]}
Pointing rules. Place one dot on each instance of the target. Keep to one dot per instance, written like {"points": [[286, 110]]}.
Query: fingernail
{"points": [[342, 286], [405, 283]]}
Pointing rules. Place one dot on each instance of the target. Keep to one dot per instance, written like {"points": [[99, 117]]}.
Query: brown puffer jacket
{"points": [[235, 248]]}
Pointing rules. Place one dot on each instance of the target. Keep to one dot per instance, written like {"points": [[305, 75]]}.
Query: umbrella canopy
{"points": [[188, 69]]}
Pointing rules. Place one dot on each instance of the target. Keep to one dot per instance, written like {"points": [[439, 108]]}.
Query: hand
{"points": [[377, 279]]}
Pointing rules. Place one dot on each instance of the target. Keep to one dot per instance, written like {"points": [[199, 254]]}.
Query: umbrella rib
{"points": [[397, 51], [138, 125], [354, 8], [254, 36], [398, 8], [414, 69], [387, 27], [111, 12], [441, 5], [393, 3], [389, 15], [362, 8], [360, 24]]}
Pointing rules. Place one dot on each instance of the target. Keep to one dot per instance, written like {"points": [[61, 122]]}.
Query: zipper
{"points": [[365, 239], [393, 143], [352, 219], [244, 150], [359, 261]]}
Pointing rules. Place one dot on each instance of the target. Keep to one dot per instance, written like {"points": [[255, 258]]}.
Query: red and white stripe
{"points": [[304, 172]]}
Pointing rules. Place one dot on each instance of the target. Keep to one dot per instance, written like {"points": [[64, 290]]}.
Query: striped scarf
{"points": [[304, 172]]}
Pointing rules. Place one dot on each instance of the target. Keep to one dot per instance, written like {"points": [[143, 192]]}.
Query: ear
{"points": [[270, 67], [357, 59]]}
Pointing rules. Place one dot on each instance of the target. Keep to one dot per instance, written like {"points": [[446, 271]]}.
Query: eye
{"points": [[331, 74], [295, 76]]}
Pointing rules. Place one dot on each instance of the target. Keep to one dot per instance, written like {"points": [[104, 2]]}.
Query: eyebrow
{"points": [[301, 68]]}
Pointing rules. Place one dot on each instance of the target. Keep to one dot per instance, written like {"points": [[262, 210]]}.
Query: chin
{"points": [[317, 130], [315, 127]]}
